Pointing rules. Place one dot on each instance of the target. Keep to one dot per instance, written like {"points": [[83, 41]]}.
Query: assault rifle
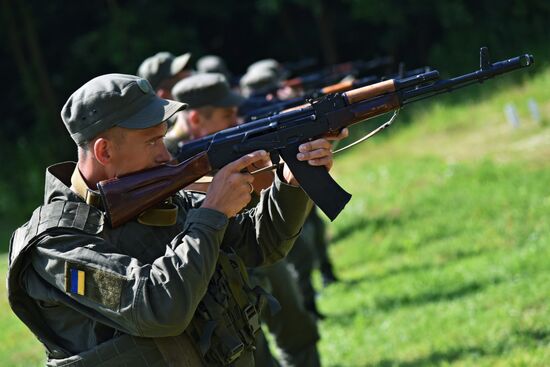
{"points": [[334, 73], [312, 82], [273, 107], [281, 105], [126, 197]]}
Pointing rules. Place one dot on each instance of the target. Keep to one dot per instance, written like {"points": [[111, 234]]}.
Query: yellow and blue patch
{"points": [[78, 278], [104, 287], [75, 279]]}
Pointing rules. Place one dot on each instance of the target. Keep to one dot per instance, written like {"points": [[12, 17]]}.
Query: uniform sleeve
{"points": [[150, 300], [266, 233]]}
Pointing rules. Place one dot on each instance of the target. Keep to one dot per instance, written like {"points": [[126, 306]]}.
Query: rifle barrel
{"points": [[478, 76]]}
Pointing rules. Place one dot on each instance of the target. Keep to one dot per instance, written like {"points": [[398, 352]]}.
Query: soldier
{"points": [[212, 107], [294, 329], [260, 84], [279, 73], [213, 64], [321, 242], [269, 64], [166, 288], [163, 70]]}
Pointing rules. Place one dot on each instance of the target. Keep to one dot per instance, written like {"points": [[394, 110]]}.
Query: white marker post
{"points": [[512, 115], [534, 109]]}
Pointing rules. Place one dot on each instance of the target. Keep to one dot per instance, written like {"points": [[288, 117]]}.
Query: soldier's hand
{"points": [[230, 189], [316, 153]]}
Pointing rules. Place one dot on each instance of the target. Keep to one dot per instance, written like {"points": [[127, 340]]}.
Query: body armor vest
{"points": [[222, 329]]}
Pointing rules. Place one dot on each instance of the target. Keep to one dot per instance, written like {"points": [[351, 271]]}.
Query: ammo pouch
{"points": [[227, 319]]}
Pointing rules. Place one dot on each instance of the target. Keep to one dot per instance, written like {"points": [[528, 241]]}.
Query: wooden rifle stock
{"points": [[125, 198]]}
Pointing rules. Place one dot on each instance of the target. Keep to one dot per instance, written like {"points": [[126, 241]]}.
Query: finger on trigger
{"points": [[320, 144], [343, 134], [248, 177], [248, 159], [314, 154]]}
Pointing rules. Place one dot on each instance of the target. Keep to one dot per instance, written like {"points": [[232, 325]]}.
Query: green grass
{"points": [[443, 251], [18, 347]]}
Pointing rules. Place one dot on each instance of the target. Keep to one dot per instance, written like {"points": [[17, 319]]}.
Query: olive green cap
{"points": [[265, 63], [212, 64], [114, 100], [259, 80], [162, 66], [270, 64], [207, 89]]}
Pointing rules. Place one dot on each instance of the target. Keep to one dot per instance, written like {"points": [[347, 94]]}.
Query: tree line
{"points": [[51, 48]]}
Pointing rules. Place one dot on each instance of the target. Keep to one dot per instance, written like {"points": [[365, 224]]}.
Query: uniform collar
{"points": [[78, 185], [161, 215], [65, 182]]}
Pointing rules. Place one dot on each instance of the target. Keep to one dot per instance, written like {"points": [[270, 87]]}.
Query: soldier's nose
{"points": [[164, 155]]}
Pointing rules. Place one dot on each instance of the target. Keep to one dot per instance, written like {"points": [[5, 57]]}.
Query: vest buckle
{"points": [[234, 353], [253, 318]]}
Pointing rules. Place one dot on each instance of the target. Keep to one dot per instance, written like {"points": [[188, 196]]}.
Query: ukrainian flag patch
{"points": [[100, 286], [75, 279], [78, 281]]}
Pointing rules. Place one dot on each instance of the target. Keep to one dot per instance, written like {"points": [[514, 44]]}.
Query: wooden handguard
{"points": [[339, 87], [369, 91]]}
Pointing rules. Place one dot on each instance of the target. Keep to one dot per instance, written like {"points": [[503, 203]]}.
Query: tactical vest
{"points": [[221, 333]]}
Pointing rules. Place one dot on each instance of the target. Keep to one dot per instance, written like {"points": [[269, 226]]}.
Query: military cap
{"points": [[114, 100], [162, 66], [212, 64], [259, 80], [207, 89], [270, 64], [264, 63]]}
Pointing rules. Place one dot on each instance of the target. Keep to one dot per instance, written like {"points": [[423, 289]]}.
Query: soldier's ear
{"points": [[102, 151], [194, 118]]}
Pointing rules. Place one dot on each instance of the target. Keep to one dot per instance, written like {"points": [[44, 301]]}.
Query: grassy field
{"points": [[443, 252]]}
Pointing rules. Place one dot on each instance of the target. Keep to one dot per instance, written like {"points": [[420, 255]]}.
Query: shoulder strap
{"points": [[59, 214]]}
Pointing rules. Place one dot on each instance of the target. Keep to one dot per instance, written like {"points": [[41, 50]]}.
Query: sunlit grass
{"points": [[443, 251]]}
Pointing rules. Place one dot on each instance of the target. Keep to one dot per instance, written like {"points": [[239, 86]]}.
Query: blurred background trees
{"points": [[51, 48]]}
